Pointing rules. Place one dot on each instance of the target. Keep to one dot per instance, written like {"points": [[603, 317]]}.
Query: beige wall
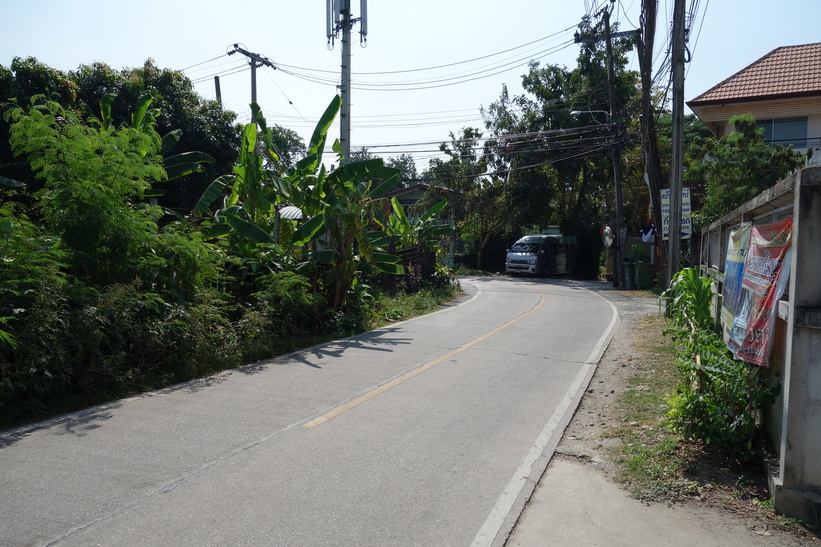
{"points": [[716, 116]]}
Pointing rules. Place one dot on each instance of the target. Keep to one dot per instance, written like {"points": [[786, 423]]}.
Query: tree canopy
{"points": [[204, 125], [737, 167]]}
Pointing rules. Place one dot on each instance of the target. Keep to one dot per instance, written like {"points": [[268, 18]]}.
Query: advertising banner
{"points": [[766, 272], [732, 301]]}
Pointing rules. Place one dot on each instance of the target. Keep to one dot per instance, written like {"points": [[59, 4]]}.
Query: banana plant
{"points": [[339, 233], [417, 231], [248, 206], [342, 205]]}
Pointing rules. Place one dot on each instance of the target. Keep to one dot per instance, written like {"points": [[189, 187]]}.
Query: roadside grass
{"points": [[657, 465], [649, 458], [471, 272], [388, 308]]}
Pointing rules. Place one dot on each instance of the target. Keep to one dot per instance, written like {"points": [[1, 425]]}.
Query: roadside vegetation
{"points": [[670, 452], [107, 294]]}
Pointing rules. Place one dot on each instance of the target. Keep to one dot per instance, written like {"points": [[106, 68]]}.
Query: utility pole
{"points": [[677, 165], [339, 23], [617, 175], [219, 91], [652, 161], [618, 255], [255, 60], [345, 87]]}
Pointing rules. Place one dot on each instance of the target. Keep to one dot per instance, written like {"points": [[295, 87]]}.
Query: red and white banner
{"points": [[766, 273]]}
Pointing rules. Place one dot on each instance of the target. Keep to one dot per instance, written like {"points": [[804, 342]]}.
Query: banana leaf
{"points": [[106, 120], [170, 140], [213, 192], [386, 258], [433, 210], [143, 117], [390, 268], [186, 163], [320, 134], [247, 229], [307, 230]]}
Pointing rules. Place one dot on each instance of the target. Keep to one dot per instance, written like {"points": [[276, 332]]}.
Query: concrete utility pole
{"points": [[618, 254], [217, 87], [339, 23], [617, 175], [676, 164], [652, 161], [255, 60], [345, 87]]}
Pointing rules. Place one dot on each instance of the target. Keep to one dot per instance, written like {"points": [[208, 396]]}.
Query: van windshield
{"points": [[530, 248]]}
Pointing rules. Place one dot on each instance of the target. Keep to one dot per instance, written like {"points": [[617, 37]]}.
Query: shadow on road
{"points": [[78, 424], [377, 340]]}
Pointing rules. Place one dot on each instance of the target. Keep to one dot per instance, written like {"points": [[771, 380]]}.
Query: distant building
{"points": [[782, 90], [409, 195]]}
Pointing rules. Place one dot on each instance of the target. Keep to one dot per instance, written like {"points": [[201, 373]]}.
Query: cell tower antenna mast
{"points": [[338, 24]]}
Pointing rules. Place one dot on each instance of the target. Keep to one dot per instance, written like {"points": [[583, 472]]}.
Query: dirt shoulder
{"points": [[606, 435]]}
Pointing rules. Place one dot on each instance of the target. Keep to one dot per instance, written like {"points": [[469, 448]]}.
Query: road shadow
{"points": [[380, 340], [77, 424]]}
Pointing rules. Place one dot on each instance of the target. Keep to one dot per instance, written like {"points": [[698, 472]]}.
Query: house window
{"points": [[785, 131]]}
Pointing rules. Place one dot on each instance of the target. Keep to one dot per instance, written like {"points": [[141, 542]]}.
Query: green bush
{"points": [[99, 299], [87, 344], [284, 309], [719, 397], [90, 176]]}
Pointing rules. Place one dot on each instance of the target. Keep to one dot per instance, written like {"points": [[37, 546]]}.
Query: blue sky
{"points": [[408, 110]]}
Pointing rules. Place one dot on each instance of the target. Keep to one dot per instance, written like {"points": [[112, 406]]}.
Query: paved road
{"points": [[429, 432]]}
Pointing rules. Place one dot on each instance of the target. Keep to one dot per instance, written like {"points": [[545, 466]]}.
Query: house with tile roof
{"points": [[782, 90]]}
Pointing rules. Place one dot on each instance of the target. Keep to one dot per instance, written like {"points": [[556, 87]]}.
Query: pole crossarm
{"points": [[256, 58], [586, 38]]}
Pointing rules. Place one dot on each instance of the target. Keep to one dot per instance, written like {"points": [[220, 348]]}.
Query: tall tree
{"points": [[205, 126], [476, 200], [557, 163], [738, 166], [406, 165]]}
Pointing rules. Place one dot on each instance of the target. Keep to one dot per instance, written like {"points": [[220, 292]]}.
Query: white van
{"points": [[537, 255]]}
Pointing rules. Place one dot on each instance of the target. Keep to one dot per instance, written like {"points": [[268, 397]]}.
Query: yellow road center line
{"points": [[407, 376]]}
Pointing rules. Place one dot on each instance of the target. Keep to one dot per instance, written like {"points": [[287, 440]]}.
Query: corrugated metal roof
{"points": [[291, 213], [785, 71]]}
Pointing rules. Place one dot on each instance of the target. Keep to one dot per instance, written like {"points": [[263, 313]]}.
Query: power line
{"points": [[436, 67], [499, 172], [436, 83], [202, 63], [226, 72]]}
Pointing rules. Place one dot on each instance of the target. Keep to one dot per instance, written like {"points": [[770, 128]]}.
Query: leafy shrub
{"points": [[30, 259], [285, 308], [182, 263], [719, 398], [688, 302], [91, 176], [443, 277], [86, 344]]}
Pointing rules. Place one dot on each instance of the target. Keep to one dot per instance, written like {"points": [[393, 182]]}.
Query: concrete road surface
{"points": [[429, 432]]}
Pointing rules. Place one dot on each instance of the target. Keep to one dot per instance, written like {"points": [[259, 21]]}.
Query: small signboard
{"points": [[686, 214]]}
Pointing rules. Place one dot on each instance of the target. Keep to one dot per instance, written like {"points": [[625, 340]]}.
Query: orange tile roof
{"points": [[788, 71]]}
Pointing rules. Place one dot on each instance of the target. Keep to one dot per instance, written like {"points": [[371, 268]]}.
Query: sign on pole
{"points": [[686, 214]]}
